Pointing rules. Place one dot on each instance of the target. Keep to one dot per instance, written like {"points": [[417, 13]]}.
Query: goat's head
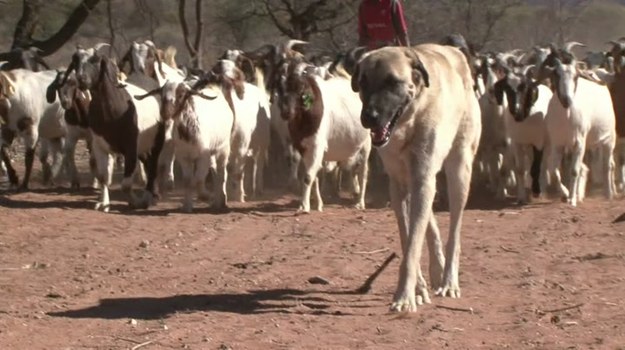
{"points": [[521, 93], [67, 92], [141, 58], [173, 96], [226, 73], [564, 78], [618, 53], [86, 63], [296, 90], [388, 80]]}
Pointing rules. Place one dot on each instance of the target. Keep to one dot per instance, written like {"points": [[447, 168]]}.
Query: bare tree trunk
{"points": [[109, 14], [26, 25], [195, 48]]}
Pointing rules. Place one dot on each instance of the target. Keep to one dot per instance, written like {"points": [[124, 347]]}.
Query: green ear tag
{"points": [[307, 100]]}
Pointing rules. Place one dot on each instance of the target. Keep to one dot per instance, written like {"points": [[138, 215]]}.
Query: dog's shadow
{"points": [[253, 302]]}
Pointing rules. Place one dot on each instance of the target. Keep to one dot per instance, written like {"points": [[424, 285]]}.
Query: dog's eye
{"points": [[392, 82]]}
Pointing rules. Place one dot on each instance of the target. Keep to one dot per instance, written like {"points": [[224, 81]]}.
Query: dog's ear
{"points": [[419, 73], [356, 78]]}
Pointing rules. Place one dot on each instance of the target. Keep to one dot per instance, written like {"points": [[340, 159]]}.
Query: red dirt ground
{"points": [[74, 278]]}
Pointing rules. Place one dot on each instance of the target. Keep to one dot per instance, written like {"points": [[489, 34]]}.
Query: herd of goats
{"points": [[214, 124]]}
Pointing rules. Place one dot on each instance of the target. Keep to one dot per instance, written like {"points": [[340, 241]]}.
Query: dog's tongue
{"points": [[378, 134]]}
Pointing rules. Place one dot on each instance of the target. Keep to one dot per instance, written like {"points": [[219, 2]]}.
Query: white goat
{"points": [[200, 127], [31, 117], [494, 150], [580, 117], [251, 132]]}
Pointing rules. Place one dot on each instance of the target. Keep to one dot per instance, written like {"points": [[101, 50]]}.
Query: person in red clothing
{"points": [[382, 23]]}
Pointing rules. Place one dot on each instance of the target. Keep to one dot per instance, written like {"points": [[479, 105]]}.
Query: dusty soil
{"points": [[544, 276]]}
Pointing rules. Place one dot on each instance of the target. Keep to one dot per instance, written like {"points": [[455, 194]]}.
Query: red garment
{"points": [[380, 22]]}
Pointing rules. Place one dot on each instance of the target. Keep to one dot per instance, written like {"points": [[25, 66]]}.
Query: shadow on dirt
{"points": [[253, 302]]}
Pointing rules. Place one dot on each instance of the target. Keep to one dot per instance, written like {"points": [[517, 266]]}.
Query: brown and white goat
{"points": [[323, 118], [120, 124]]}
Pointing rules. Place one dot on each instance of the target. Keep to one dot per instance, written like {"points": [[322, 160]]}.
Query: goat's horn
{"points": [[527, 69], [199, 94], [151, 93], [98, 46], [289, 45], [571, 44]]}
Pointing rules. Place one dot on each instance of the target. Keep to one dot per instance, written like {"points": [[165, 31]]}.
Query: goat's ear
{"points": [[534, 92], [6, 86], [247, 66], [239, 83], [499, 88], [51, 91], [356, 78]]}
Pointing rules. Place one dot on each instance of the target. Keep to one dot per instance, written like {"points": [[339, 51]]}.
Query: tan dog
{"points": [[423, 115]]}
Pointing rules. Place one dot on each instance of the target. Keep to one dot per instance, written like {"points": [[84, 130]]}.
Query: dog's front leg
{"points": [[422, 190]]}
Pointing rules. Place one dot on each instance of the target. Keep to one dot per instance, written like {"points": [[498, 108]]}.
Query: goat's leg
{"points": [[294, 160], [236, 169], [535, 172], [130, 165], [186, 166], [6, 137], [312, 161], [105, 163], [57, 148], [520, 168], [70, 162], [607, 170], [30, 143], [6, 160], [202, 168], [577, 155], [44, 152], [363, 176], [165, 173], [619, 155], [258, 173], [221, 199], [555, 160]]}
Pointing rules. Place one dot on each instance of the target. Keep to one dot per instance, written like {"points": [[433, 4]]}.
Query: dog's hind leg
{"points": [[458, 167]]}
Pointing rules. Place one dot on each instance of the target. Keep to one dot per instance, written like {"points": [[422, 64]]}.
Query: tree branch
{"points": [[74, 21]]}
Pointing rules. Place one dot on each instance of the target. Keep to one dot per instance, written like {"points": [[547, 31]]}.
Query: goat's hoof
{"points": [[187, 208], [303, 210], [75, 185], [359, 206], [22, 188], [103, 207]]}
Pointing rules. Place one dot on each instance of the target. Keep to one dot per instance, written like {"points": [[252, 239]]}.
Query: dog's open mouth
{"points": [[382, 134]]}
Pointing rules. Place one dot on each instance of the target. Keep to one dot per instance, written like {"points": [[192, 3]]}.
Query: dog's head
{"points": [[388, 80]]}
